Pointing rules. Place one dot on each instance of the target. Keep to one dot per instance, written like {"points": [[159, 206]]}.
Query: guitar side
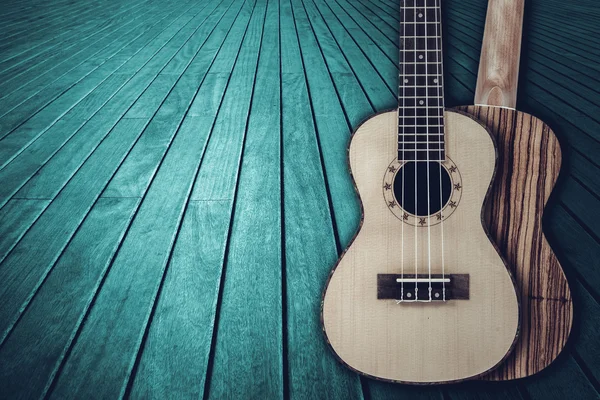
{"points": [[529, 165]]}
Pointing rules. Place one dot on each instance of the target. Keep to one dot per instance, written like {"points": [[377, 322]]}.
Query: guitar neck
{"points": [[498, 75], [421, 90]]}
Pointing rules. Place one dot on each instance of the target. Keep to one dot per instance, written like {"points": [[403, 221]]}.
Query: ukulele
{"points": [[421, 295], [529, 164]]}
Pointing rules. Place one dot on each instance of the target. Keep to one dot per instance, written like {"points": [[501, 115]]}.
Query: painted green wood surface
{"points": [[174, 189]]}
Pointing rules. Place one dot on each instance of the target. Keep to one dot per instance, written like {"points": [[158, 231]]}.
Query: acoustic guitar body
{"points": [[529, 164], [460, 329]]}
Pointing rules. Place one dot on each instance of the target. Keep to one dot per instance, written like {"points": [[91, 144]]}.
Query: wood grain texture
{"points": [[421, 343], [308, 258], [529, 164], [61, 303], [500, 54]]}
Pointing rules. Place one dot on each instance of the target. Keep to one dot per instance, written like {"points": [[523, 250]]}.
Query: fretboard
{"points": [[421, 90]]}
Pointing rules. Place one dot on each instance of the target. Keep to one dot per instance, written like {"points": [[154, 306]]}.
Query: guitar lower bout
{"points": [[423, 298]]}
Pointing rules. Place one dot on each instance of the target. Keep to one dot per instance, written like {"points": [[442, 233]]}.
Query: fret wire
{"points": [[414, 150]]}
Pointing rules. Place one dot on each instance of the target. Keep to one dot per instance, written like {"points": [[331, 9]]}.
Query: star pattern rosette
{"points": [[395, 206]]}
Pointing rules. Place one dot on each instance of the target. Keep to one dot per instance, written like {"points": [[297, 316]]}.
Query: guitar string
{"points": [[403, 10], [416, 155], [427, 70], [440, 78]]}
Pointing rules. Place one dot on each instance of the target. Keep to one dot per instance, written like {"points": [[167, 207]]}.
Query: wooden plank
{"points": [[249, 332], [102, 60], [575, 245], [188, 85], [140, 166], [185, 312], [174, 187], [389, 17], [38, 37], [57, 171], [313, 371], [49, 180], [16, 91], [564, 378], [385, 68], [585, 335], [225, 147], [48, 327], [44, 120], [114, 327], [308, 261], [378, 390], [51, 20], [200, 242], [580, 201], [18, 14], [16, 173], [70, 89], [24, 60], [381, 94], [29, 262], [20, 21], [356, 12], [28, 61], [332, 129], [15, 218], [311, 31], [483, 391]]}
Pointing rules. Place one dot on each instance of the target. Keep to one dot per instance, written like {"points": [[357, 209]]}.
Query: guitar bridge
{"points": [[410, 288]]}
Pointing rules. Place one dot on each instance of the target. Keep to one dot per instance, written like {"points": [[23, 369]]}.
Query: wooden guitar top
{"points": [[462, 336], [528, 166]]}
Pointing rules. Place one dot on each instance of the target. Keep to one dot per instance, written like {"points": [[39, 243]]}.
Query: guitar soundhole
{"points": [[422, 188]]}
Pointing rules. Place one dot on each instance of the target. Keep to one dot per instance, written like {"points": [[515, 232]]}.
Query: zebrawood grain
{"points": [[528, 166]]}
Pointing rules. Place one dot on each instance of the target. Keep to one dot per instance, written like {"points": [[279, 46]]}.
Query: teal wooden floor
{"points": [[174, 191]]}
